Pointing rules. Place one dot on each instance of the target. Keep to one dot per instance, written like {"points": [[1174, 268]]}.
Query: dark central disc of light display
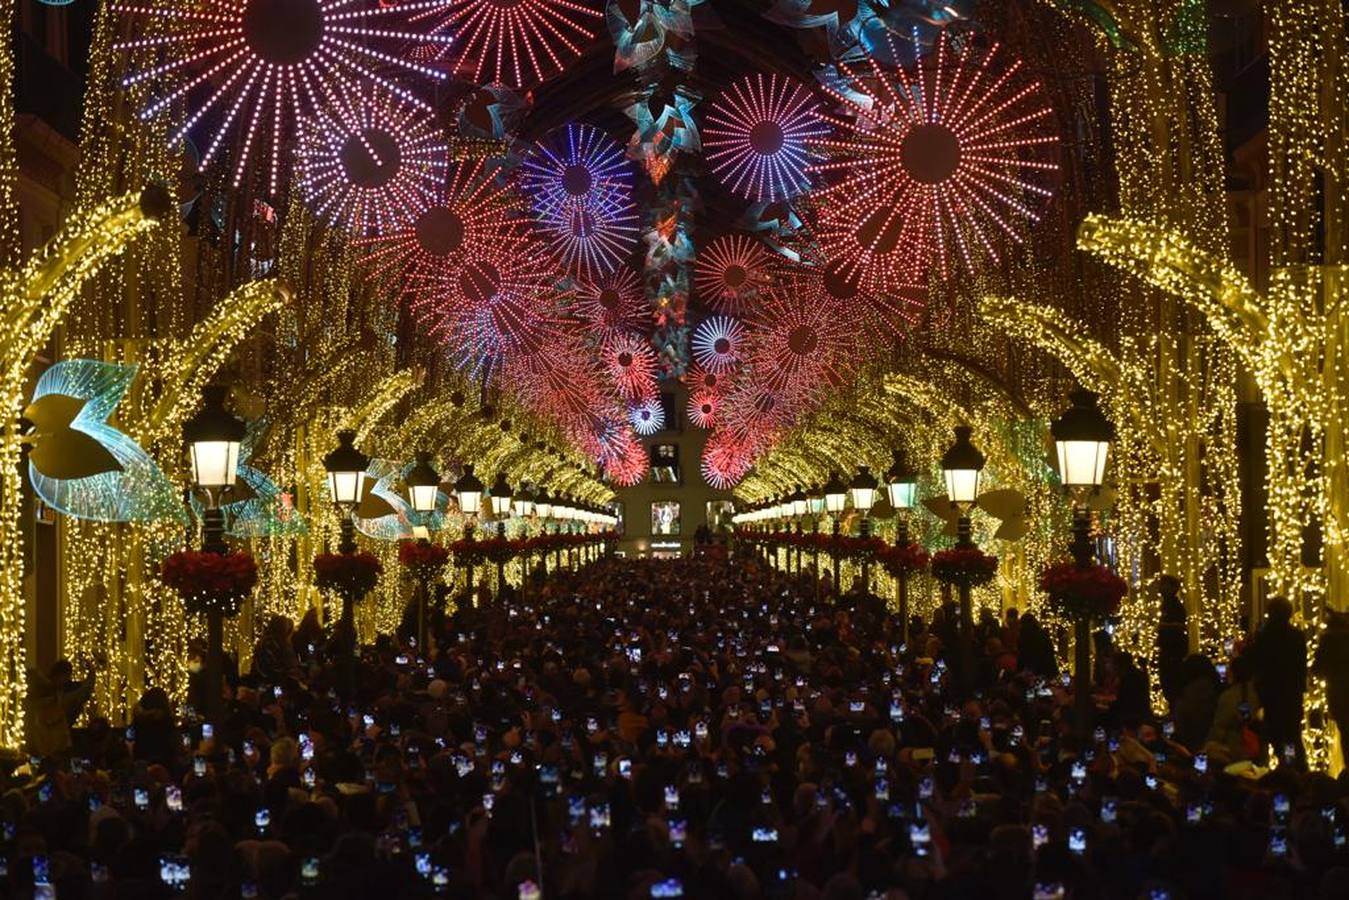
{"points": [[734, 276], [722, 345], [440, 231], [480, 281], [766, 137], [370, 159], [283, 32], [609, 298], [577, 180], [931, 153], [803, 340], [839, 280], [625, 359], [879, 232]]}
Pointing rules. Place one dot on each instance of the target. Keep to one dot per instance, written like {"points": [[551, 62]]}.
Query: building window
{"points": [[665, 518], [665, 463]]}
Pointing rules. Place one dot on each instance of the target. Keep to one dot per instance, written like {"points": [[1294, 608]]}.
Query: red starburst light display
{"points": [[703, 407], [518, 43], [718, 343], [257, 67], [371, 163], [730, 272], [757, 133], [629, 467], [726, 460], [940, 160], [801, 348], [612, 306], [476, 212], [632, 367]]}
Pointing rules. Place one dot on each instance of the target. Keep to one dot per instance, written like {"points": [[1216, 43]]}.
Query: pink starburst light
{"points": [[632, 367], [474, 214], [802, 348], [563, 383], [628, 468], [939, 161], [703, 407], [371, 163], [612, 305], [647, 417], [730, 272], [257, 67], [726, 460], [518, 43], [757, 133], [718, 343]]}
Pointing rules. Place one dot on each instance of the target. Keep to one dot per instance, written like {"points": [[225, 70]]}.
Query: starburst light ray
{"points": [[730, 272], [945, 160], [371, 163], [255, 68], [757, 135], [518, 43], [718, 343]]}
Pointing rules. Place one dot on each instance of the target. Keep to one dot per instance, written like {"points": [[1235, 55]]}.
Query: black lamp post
{"points": [[901, 484], [863, 490], [346, 484], [1082, 437], [423, 483], [469, 491], [962, 465], [213, 439], [835, 499], [502, 498]]}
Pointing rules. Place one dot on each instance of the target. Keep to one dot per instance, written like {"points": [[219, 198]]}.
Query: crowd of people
{"points": [[696, 728]]}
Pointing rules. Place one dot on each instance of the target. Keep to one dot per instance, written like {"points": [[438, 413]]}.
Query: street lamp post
{"points": [[835, 498], [1082, 437], [468, 488], [901, 486], [213, 439], [863, 491], [962, 465], [423, 483], [501, 508], [346, 468]]}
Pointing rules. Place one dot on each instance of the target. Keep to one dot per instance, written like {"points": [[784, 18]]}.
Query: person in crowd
{"points": [[274, 658], [1133, 695], [1036, 650], [1173, 639], [1332, 665], [1196, 705], [650, 729], [55, 701], [1278, 656]]}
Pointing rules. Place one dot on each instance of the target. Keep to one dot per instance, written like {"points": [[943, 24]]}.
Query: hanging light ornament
{"points": [[580, 186], [647, 417], [757, 133], [726, 460], [628, 468], [257, 67], [517, 43], [703, 407], [370, 163], [730, 272], [612, 305], [491, 310], [562, 383], [470, 219], [800, 349], [939, 161], [717, 343], [632, 367]]}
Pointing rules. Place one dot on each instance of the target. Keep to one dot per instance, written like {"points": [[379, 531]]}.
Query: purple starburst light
{"points": [[371, 163], [756, 136], [257, 67], [717, 343], [647, 417], [580, 186]]}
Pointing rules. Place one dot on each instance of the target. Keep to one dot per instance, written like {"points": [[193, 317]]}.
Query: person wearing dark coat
{"points": [[1133, 700], [1173, 640], [1332, 664], [1196, 704], [1035, 652], [1279, 659]]}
